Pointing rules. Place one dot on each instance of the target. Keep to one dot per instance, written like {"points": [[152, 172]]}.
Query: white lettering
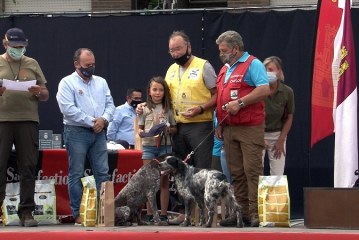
{"points": [[63, 179], [235, 81], [87, 172], [122, 178], [59, 177], [12, 176]]}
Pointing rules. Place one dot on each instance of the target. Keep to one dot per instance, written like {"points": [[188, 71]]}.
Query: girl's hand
{"points": [[139, 108]]}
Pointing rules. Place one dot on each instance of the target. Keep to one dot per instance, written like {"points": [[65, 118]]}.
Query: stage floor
{"points": [[296, 227]]}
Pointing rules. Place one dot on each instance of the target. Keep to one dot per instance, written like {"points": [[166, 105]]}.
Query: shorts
{"points": [[151, 152]]}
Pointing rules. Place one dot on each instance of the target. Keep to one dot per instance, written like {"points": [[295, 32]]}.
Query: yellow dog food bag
{"points": [[273, 201], [88, 208]]}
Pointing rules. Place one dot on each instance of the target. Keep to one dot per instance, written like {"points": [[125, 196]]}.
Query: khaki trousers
{"points": [[244, 146]]}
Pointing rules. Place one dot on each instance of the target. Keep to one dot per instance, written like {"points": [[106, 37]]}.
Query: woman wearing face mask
{"points": [[279, 108]]}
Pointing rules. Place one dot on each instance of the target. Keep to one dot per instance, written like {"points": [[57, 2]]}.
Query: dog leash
{"points": [[192, 152]]}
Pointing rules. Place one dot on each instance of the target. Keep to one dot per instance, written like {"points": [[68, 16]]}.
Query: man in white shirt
{"points": [[87, 106]]}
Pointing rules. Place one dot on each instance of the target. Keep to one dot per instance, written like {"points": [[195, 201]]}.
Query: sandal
{"points": [[163, 220], [148, 219]]}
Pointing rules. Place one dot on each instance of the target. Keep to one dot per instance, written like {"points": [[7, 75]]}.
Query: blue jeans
{"points": [[82, 143], [151, 152], [225, 166]]}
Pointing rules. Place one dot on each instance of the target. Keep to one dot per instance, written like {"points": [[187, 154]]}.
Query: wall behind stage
{"points": [[130, 50]]}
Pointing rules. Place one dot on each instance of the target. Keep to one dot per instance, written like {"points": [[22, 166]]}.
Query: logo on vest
{"points": [[234, 94], [236, 78], [193, 74], [172, 75]]}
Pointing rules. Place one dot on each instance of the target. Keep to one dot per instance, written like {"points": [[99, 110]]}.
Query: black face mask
{"points": [[183, 59], [134, 103], [87, 72]]}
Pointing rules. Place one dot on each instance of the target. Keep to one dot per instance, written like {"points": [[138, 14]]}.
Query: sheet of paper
{"points": [[20, 86]]}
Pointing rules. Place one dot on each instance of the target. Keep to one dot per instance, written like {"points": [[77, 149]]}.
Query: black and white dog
{"points": [[141, 187], [206, 187]]}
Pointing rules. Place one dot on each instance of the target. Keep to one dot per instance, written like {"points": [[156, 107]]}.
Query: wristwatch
{"points": [[105, 121], [241, 103]]}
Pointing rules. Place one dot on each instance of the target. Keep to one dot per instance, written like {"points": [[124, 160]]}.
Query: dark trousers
{"points": [[192, 135], [25, 137]]}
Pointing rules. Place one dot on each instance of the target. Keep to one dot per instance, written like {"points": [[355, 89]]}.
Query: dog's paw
{"points": [[185, 223], [208, 224], [240, 224], [143, 223], [125, 224]]}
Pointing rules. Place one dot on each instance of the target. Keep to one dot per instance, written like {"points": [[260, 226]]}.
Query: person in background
{"points": [[87, 106], [219, 161], [279, 109], [216, 152], [19, 120], [242, 86], [157, 112], [121, 128]]}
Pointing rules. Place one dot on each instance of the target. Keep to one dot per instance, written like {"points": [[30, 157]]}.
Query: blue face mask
{"points": [[16, 53], [272, 77], [87, 72]]}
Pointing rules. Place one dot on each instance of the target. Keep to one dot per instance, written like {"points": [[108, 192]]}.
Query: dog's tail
{"points": [[232, 206]]}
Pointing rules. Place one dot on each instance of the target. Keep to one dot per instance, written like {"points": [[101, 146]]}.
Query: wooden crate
{"points": [[331, 208]]}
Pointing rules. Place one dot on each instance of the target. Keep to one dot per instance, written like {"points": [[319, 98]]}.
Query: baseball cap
{"points": [[154, 131], [16, 37]]}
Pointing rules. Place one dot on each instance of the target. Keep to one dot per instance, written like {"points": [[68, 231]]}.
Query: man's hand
{"points": [[99, 124], [219, 132], [192, 112], [35, 90], [231, 107]]}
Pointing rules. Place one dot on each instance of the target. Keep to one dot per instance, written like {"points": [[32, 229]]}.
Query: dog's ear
{"points": [[163, 157], [181, 165], [171, 160]]}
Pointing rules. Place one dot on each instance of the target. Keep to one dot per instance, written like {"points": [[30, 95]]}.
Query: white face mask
{"points": [[16, 53], [272, 77]]}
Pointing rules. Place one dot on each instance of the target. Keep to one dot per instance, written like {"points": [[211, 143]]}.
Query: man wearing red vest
{"points": [[242, 85]]}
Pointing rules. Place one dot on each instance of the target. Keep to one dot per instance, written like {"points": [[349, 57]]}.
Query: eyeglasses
{"points": [[176, 49]]}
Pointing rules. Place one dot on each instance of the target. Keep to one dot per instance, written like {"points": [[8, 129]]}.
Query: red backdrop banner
{"points": [[53, 164]]}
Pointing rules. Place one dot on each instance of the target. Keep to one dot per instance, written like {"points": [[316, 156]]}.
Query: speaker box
{"points": [[331, 208]]}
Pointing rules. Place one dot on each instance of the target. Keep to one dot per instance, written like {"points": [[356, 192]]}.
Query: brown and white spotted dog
{"points": [[206, 187], [141, 187]]}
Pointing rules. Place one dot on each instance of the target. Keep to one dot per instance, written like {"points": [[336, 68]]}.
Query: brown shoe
{"points": [[163, 220], [27, 220]]}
